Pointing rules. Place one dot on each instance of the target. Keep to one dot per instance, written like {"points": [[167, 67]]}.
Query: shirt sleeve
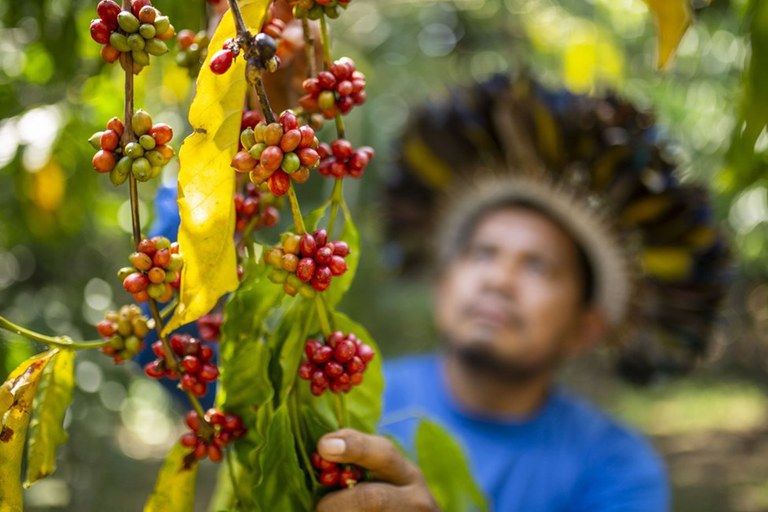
{"points": [[625, 474]]}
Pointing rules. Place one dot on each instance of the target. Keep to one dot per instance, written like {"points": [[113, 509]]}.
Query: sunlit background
{"points": [[64, 230]]}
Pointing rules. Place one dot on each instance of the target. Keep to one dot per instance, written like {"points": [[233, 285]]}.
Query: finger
{"points": [[375, 453], [366, 497]]}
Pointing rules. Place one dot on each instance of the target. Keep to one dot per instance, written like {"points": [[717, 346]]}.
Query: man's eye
{"points": [[538, 266]]}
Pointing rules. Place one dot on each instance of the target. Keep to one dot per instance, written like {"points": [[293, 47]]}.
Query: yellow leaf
{"points": [[206, 180], [49, 187], [17, 393], [46, 431], [672, 17], [667, 263], [175, 487]]}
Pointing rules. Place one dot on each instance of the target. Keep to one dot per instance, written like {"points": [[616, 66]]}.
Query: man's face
{"points": [[515, 294]]}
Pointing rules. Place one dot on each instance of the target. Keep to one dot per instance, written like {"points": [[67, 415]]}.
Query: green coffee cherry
{"points": [[247, 139], [331, 12], [117, 178], [156, 47], [140, 57], [141, 122], [147, 30], [135, 42], [141, 169], [277, 276], [134, 150], [132, 344], [123, 165], [294, 281], [155, 158], [156, 290], [116, 342], [95, 140], [307, 292], [162, 24], [155, 171], [119, 41], [291, 162], [175, 263], [147, 142], [171, 275], [128, 22], [125, 272], [257, 149]]}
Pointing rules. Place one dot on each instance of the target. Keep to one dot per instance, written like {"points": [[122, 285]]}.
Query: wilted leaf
{"points": [[207, 182], [17, 394], [672, 17], [446, 470], [175, 487], [46, 429]]}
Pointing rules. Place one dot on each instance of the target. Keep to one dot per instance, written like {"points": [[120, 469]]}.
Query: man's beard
{"points": [[482, 361]]}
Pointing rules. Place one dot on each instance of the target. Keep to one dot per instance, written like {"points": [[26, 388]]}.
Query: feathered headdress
{"points": [[659, 260]]}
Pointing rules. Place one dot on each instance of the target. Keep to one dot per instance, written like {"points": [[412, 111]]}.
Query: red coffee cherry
{"points": [[221, 61]]}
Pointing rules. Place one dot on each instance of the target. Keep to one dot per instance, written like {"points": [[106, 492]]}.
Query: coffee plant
{"points": [[280, 341]]}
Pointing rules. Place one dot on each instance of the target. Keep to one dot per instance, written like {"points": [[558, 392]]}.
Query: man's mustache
{"points": [[511, 317]]}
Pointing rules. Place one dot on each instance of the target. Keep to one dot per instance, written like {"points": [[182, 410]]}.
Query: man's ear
{"points": [[592, 327]]}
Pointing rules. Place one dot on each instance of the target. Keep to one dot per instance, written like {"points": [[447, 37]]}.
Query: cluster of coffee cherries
{"points": [[265, 58], [193, 49], [336, 90], [209, 326], [155, 271], [198, 369], [144, 158], [315, 9], [226, 427], [277, 153], [256, 208], [340, 159], [334, 475], [306, 263], [138, 33], [125, 330], [337, 365]]}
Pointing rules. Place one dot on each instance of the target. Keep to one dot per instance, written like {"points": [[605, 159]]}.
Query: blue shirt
{"points": [[567, 457]]}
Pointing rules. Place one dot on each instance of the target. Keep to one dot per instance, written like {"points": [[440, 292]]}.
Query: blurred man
{"points": [[514, 299], [535, 266]]}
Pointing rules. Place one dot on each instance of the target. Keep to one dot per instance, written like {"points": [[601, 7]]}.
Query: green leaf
{"points": [[303, 324], [46, 428], [312, 219], [341, 284], [207, 181], [175, 487], [244, 355], [16, 396], [446, 470], [283, 486]]}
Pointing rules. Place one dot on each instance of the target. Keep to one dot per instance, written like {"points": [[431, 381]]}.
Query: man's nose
{"points": [[502, 275]]}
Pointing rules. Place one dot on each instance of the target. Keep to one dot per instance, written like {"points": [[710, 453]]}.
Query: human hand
{"points": [[399, 484]]}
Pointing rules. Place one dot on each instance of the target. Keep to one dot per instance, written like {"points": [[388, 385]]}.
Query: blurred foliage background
{"points": [[64, 229]]}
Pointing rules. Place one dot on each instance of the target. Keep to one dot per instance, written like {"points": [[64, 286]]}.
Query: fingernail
{"points": [[333, 446]]}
